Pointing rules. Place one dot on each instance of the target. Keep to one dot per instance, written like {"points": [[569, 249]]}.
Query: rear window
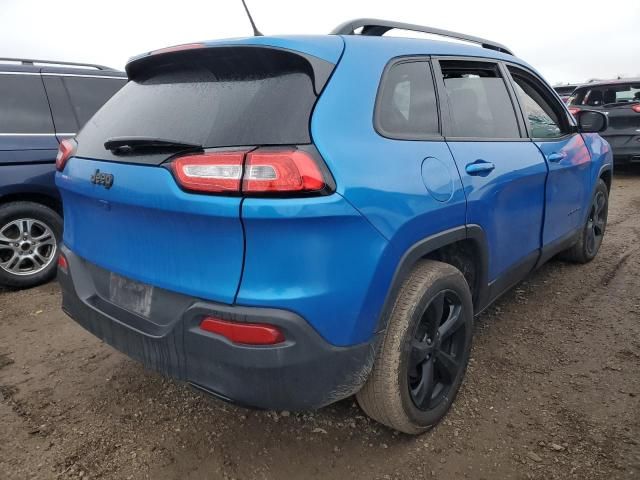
{"points": [[241, 99], [23, 105], [606, 95]]}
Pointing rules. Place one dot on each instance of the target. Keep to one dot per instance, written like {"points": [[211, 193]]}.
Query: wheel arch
{"points": [[606, 174], [36, 197], [464, 247]]}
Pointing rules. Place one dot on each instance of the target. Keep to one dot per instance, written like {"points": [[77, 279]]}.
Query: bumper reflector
{"points": [[243, 333]]}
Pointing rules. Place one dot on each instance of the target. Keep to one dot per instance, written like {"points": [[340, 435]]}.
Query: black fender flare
{"points": [[607, 167], [430, 244]]}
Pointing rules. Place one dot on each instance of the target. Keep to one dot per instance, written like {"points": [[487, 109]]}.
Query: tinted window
{"points": [[218, 97], [87, 94], [567, 90], [406, 107], [23, 105], [544, 116], [478, 99], [596, 96], [63, 116]]}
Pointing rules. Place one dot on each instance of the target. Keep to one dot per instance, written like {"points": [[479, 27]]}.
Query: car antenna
{"points": [[256, 32]]}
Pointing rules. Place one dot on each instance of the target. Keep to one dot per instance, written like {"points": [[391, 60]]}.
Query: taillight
{"points": [[281, 171], [65, 151], [62, 263], [573, 110], [263, 172], [178, 48], [636, 108], [243, 333], [216, 172]]}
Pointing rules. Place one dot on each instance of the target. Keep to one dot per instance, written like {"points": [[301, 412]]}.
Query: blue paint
{"points": [[153, 231], [566, 196], [332, 259], [437, 179], [508, 203]]}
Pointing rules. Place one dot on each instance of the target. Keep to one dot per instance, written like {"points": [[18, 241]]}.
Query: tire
{"points": [[590, 239], [29, 237], [434, 296]]}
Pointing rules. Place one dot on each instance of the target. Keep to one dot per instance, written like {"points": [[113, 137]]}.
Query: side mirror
{"points": [[591, 121]]}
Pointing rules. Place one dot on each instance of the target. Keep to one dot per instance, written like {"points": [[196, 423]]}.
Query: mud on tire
{"points": [[423, 358]]}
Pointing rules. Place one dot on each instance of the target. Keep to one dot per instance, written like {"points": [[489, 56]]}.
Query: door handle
{"points": [[556, 157], [479, 167]]}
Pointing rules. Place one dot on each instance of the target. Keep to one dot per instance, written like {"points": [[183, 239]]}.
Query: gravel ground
{"points": [[552, 392]]}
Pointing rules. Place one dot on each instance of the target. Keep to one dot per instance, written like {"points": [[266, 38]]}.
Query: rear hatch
{"points": [[624, 124], [130, 210]]}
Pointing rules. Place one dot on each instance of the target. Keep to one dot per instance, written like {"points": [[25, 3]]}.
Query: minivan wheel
{"points": [[29, 238], [592, 234], [421, 363]]}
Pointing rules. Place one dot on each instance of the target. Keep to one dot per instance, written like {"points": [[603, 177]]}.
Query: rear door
{"points": [[502, 171], [565, 152]]}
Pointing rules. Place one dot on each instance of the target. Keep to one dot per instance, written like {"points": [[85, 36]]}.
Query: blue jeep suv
{"points": [[283, 222], [41, 103]]}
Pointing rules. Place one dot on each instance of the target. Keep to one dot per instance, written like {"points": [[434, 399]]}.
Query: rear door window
{"points": [[406, 107], [479, 102], [23, 105], [63, 117], [74, 100], [88, 94]]}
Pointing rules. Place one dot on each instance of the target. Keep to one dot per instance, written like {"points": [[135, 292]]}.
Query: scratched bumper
{"points": [[305, 372]]}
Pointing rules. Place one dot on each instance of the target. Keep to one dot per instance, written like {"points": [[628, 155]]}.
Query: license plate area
{"points": [[133, 296]]}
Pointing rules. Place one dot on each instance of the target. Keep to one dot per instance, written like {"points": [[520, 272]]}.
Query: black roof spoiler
{"points": [[235, 58], [377, 28]]}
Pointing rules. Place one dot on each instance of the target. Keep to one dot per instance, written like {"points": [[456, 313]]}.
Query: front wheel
{"points": [[29, 237], [422, 361], [590, 239]]}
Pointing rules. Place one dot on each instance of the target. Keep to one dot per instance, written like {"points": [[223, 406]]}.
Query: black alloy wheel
{"points": [[436, 351]]}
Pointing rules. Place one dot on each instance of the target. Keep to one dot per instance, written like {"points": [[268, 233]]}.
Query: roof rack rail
{"points": [[377, 28], [29, 61]]}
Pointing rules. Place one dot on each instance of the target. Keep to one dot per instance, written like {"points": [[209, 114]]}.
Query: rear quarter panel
{"points": [[317, 257], [381, 178]]}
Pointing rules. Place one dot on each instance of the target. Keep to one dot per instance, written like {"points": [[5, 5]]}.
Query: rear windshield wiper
{"points": [[124, 145]]}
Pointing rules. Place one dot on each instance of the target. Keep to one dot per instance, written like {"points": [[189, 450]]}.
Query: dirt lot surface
{"points": [[552, 392]]}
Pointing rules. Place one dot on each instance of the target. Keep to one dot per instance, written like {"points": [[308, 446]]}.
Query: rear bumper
{"points": [[305, 372], [625, 148], [629, 158]]}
